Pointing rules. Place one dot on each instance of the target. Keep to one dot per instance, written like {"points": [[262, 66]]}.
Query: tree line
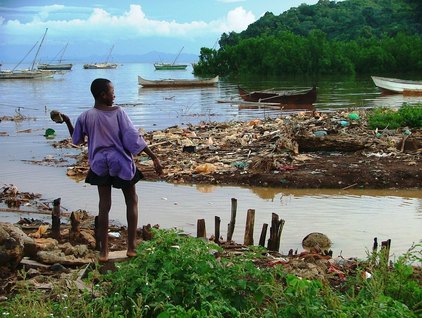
{"points": [[352, 36]]}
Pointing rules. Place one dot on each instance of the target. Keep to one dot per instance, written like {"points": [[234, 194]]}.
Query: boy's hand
{"points": [[57, 117], [158, 167]]}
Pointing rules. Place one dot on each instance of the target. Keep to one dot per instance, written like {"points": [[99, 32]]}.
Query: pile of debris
{"points": [[286, 151]]}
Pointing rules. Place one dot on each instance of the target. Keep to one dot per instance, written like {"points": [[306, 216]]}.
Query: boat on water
{"points": [[30, 73], [59, 66], [55, 67], [285, 97], [94, 66], [168, 83], [397, 86], [102, 65], [25, 74], [171, 66]]}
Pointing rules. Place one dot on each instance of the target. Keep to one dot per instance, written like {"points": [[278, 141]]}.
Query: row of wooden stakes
{"points": [[276, 229]]}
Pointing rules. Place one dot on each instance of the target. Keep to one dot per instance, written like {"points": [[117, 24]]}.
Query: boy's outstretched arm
{"points": [[69, 125], [157, 164]]}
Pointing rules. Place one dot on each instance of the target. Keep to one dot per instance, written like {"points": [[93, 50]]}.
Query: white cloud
{"points": [[88, 28], [132, 23]]}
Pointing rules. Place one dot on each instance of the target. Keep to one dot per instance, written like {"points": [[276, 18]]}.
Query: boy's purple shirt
{"points": [[112, 140]]}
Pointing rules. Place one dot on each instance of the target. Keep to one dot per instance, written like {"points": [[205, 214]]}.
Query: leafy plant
{"points": [[406, 116], [175, 275]]}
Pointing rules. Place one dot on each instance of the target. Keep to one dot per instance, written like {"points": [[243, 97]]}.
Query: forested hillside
{"points": [[351, 36]]}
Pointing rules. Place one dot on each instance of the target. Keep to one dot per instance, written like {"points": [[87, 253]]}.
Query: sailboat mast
{"points": [[108, 57], [61, 56], [38, 51], [178, 55]]}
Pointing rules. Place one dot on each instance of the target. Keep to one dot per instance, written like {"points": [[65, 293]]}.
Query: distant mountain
{"points": [[154, 56], [150, 57]]}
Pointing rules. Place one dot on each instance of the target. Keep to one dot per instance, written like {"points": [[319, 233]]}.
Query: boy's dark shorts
{"points": [[94, 179]]}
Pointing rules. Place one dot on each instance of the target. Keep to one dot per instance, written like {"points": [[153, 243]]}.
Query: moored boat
{"points": [[169, 67], [25, 74], [59, 66], [94, 66], [397, 86], [294, 97], [30, 73], [103, 65], [55, 67], [177, 82]]}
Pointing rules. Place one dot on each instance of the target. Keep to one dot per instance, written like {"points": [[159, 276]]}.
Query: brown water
{"points": [[350, 218]]}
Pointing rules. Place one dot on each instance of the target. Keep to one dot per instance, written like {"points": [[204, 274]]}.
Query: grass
{"points": [[386, 118], [180, 276]]}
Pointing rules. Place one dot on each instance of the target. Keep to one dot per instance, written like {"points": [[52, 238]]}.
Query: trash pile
{"points": [[233, 152]]}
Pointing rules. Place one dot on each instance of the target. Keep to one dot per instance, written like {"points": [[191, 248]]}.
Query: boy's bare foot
{"points": [[103, 257], [131, 253]]}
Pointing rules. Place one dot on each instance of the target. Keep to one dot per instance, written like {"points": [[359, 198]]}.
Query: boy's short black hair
{"points": [[98, 86]]}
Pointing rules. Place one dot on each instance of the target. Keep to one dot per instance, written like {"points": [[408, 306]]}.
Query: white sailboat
{"points": [[104, 65], [56, 66], [30, 73]]}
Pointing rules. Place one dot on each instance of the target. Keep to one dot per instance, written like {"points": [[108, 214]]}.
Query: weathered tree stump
{"points": [[275, 233], [232, 223], [217, 230], [55, 219], [263, 235], [250, 222], [201, 232]]}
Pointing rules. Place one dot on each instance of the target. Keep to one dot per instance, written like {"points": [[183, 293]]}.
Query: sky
{"points": [[133, 27]]}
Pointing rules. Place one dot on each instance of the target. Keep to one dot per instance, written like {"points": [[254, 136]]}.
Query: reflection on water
{"points": [[350, 218]]}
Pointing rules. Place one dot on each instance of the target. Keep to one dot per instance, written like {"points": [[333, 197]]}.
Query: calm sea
{"points": [[350, 218]]}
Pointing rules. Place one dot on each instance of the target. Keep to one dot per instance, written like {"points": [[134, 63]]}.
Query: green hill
{"points": [[351, 36]]}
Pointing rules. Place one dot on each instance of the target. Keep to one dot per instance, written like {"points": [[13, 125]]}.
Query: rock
{"points": [[12, 245], [316, 242], [56, 256]]}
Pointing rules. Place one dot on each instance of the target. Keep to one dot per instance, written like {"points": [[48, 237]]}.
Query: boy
{"points": [[112, 143]]}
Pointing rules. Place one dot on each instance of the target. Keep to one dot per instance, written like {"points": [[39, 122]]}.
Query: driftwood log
{"points": [[331, 143]]}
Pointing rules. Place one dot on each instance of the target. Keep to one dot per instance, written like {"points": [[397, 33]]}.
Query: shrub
{"points": [[406, 116]]}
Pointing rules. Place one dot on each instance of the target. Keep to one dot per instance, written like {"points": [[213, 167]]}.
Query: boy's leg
{"points": [[131, 199], [104, 207]]}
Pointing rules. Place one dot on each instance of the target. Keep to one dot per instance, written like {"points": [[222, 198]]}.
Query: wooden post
{"points": [[55, 219], [275, 233], [232, 223], [250, 222], [201, 232], [75, 223], [375, 245], [217, 229], [263, 235], [385, 247], [280, 230]]}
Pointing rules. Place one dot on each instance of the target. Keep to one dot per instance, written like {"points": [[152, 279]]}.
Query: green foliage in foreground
{"points": [[406, 116], [181, 276]]}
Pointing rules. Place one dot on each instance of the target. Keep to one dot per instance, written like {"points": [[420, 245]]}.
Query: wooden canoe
{"points": [[288, 97], [177, 82], [398, 86]]}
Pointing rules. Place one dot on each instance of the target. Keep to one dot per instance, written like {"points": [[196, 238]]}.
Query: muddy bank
{"points": [[305, 150]]}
